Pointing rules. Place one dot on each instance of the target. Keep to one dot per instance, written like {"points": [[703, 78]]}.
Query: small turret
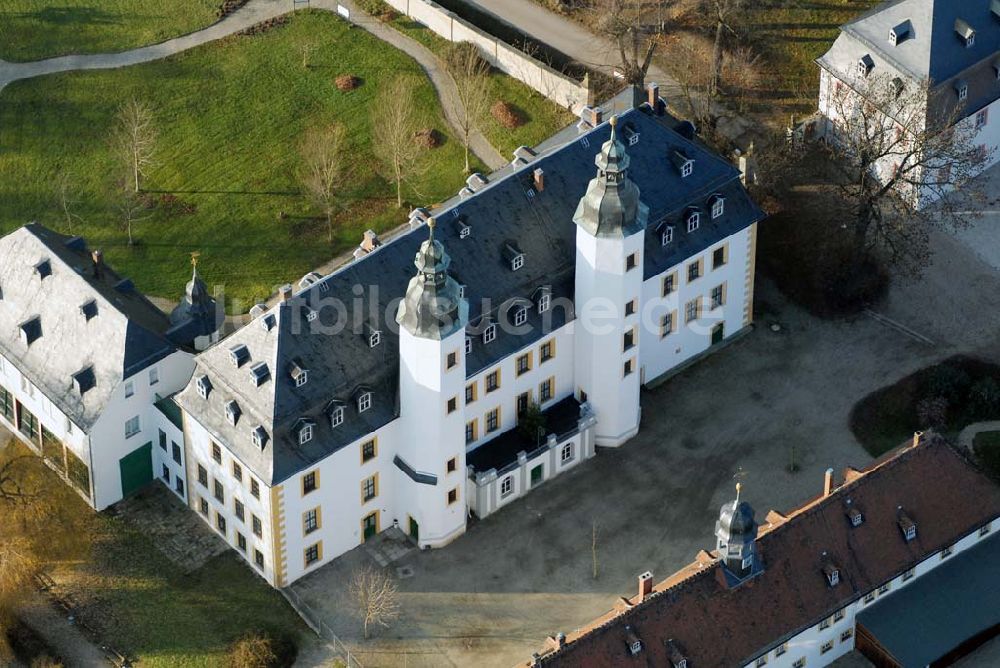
{"points": [[197, 320], [736, 531], [433, 307]]}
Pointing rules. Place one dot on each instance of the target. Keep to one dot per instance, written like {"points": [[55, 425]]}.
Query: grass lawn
{"points": [[887, 417], [36, 29], [987, 448], [791, 35], [141, 603], [230, 116], [542, 117]]}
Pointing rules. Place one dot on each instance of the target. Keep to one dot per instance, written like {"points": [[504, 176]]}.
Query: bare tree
{"points": [[253, 650], [472, 81], [896, 146], [15, 485], [306, 50], [394, 127], [693, 55], [741, 69], [128, 206], [67, 193], [322, 170], [723, 13], [134, 138], [637, 28], [375, 597]]}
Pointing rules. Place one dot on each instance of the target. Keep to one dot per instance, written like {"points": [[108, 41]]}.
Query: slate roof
{"points": [[932, 50], [936, 613], [714, 624], [508, 210], [79, 348]]}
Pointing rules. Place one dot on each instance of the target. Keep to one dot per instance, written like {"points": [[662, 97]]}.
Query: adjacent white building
{"points": [[460, 365], [948, 48]]}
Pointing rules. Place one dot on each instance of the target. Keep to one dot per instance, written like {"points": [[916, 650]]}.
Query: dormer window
{"points": [[89, 310], [520, 316], [461, 292], [374, 336], [464, 229], [204, 386], [897, 87], [907, 526], [962, 90], [856, 517], [259, 373], [718, 206], [84, 380], [232, 412], [43, 269], [865, 65], [238, 355], [468, 345], [267, 322], [305, 432], [490, 333], [676, 656], [336, 416], [31, 330], [667, 235], [298, 374], [514, 256], [965, 33], [364, 401], [900, 33], [693, 219], [747, 562], [544, 301], [311, 314], [631, 134], [259, 436], [832, 574]]}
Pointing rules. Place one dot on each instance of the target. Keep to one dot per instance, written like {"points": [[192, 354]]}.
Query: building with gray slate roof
{"points": [[83, 357], [390, 392], [948, 50]]}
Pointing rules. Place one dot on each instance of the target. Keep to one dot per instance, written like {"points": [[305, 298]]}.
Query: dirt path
{"points": [[62, 637]]}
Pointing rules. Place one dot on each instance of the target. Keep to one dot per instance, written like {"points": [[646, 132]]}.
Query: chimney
{"points": [[917, 436], [653, 93], [828, 482], [645, 585], [370, 241], [539, 175], [561, 639], [285, 291], [97, 256]]}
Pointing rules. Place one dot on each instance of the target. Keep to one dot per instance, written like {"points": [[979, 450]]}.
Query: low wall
{"points": [[554, 85]]}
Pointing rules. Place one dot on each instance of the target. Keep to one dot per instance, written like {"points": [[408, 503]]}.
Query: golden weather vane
{"points": [[194, 258], [738, 477]]}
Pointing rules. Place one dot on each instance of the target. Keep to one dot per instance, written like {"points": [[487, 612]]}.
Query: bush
{"points": [[346, 82], [262, 649], [932, 413], [987, 449], [428, 138], [506, 115], [984, 399], [457, 55], [948, 382]]}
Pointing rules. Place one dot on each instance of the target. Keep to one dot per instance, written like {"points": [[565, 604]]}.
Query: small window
{"points": [[865, 65], [547, 351], [203, 506], [837, 616], [520, 316], [635, 647], [490, 333], [669, 284], [364, 402], [826, 647], [452, 405], [517, 262], [628, 367], [241, 511], [545, 391], [846, 635], [129, 389], [305, 434], [693, 220], [630, 307], [238, 472], [691, 310], [232, 412], [946, 552], [89, 310], [470, 432], [719, 257], [985, 529], [869, 597], [154, 376], [687, 168], [761, 661], [132, 427], [884, 588], [718, 206], [470, 393], [374, 338], [825, 624], [566, 454], [493, 381], [311, 314], [255, 489], [204, 386], [368, 451], [259, 436], [301, 378], [631, 261], [202, 476], [468, 345], [216, 453], [667, 235], [908, 574], [962, 90], [543, 302], [218, 491], [452, 360], [781, 649], [628, 339], [493, 420], [666, 325], [718, 296], [241, 542], [337, 416], [369, 489], [258, 559], [310, 521], [981, 117], [506, 486], [694, 271], [799, 662], [452, 495], [523, 364], [220, 523], [452, 465], [256, 526], [312, 554]]}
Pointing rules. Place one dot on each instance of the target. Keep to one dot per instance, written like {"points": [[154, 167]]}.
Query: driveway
{"points": [[491, 597], [983, 233]]}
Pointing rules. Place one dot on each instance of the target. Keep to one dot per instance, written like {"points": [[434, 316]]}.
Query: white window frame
{"points": [[667, 235], [544, 302], [963, 92], [131, 431], [687, 169], [506, 487], [375, 339], [718, 207], [520, 316], [490, 333], [337, 416], [566, 454], [129, 389], [468, 345], [982, 116], [693, 220], [747, 561], [364, 402], [305, 434], [311, 314], [302, 378], [517, 262], [154, 376]]}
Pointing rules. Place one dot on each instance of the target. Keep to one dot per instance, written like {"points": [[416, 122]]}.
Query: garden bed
{"points": [[946, 397]]}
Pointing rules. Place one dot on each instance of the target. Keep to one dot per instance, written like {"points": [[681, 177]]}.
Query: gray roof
{"points": [[507, 213], [932, 49], [940, 610], [95, 331], [433, 307], [197, 314]]}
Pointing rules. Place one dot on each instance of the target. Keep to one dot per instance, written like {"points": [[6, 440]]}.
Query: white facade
{"points": [[826, 642], [113, 436]]}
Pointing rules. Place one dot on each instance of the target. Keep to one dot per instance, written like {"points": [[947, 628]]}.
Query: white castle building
{"points": [[542, 299], [946, 50]]}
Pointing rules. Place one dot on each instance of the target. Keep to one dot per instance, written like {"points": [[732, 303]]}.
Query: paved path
{"points": [[250, 14], [62, 637], [968, 435]]}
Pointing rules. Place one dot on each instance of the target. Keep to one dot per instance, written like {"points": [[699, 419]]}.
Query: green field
{"points": [[36, 29], [230, 115]]}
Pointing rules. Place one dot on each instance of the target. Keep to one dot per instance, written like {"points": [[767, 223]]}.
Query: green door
{"points": [[414, 530], [136, 468], [718, 333], [536, 475], [370, 524]]}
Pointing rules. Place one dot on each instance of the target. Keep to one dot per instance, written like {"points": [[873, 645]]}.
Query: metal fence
{"points": [[320, 628]]}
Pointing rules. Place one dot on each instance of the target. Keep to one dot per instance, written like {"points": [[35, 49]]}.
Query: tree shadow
{"points": [[72, 15]]}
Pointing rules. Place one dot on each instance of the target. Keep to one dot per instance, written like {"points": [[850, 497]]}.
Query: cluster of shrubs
{"points": [[346, 82], [952, 395], [262, 649], [458, 54], [263, 26], [172, 205], [506, 115], [228, 7], [428, 138]]}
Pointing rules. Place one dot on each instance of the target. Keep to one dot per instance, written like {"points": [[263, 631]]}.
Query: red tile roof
{"points": [[939, 489]]}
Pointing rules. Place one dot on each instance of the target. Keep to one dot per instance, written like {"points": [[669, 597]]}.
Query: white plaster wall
{"points": [[661, 354], [199, 451], [165, 458]]}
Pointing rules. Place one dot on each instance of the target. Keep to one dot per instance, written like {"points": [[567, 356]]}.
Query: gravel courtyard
{"points": [[491, 597]]}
